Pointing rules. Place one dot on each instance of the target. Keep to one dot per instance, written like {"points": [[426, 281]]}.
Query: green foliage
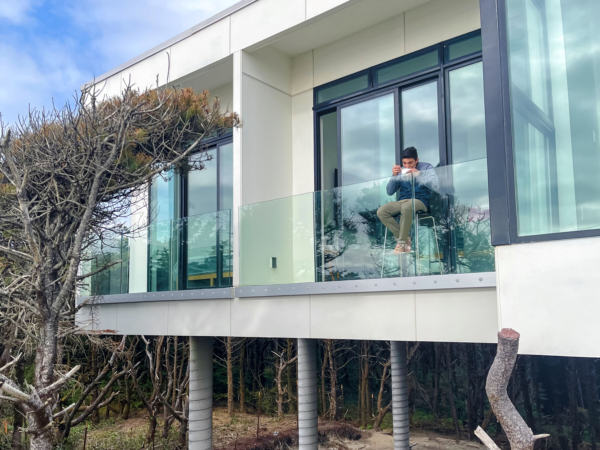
{"points": [[104, 436]]}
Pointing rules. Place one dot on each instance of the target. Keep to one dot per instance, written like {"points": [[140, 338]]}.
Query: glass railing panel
{"points": [[352, 243], [208, 251], [338, 235], [190, 253], [163, 256], [113, 254], [277, 241], [469, 218], [454, 235]]}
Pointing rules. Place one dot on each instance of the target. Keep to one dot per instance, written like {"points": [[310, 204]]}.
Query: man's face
{"points": [[410, 163]]}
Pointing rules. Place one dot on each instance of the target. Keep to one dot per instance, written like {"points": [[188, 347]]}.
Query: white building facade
{"points": [[279, 235]]}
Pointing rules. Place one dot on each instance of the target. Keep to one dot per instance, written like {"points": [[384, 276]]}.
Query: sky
{"points": [[49, 48]]}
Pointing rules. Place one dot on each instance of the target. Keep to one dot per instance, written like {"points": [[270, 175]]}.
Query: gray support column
{"points": [[308, 414], [201, 393], [400, 395]]}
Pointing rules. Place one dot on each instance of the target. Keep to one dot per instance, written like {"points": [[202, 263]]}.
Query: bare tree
{"points": [[279, 370], [382, 410], [67, 180], [518, 433], [98, 401]]}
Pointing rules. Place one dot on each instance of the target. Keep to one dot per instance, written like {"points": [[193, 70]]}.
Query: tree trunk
{"points": [[39, 418], [290, 378], [589, 385], [127, 406], [18, 414], [333, 408], [436, 378], [230, 376], [572, 391], [323, 372], [381, 410], [365, 385], [94, 373], [279, 382], [451, 389], [518, 433], [242, 377]]}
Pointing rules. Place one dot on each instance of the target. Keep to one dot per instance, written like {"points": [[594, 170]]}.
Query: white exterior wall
{"points": [[460, 315], [138, 247], [274, 158], [201, 49], [225, 94], [145, 74], [548, 292], [110, 87]]}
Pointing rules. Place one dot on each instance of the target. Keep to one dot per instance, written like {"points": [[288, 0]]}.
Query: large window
{"points": [[190, 224], [431, 100], [554, 68]]}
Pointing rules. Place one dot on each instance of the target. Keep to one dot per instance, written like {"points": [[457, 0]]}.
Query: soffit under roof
{"points": [[339, 23], [210, 77]]}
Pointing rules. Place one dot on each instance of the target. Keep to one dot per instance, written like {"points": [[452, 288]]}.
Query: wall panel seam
{"points": [[266, 84], [303, 92]]}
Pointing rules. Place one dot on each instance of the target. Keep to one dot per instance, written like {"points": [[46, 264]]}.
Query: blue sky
{"points": [[49, 48]]}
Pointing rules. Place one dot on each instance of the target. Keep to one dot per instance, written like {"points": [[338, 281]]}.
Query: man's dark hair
{"points": [[410, 153]]}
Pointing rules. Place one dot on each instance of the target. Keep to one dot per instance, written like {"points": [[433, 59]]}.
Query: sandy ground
{"points": [[227, 431], [418, 440]]}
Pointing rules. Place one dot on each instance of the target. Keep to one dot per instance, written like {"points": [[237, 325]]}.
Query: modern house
{"points": [[279, 235]]}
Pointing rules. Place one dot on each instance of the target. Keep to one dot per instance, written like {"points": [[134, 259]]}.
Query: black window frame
{"points": [[420, 77], [499, 130]]}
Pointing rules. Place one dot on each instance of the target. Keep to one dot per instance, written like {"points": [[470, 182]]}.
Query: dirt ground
{"points": [[229, 432], [419, 440], [240, 432]]}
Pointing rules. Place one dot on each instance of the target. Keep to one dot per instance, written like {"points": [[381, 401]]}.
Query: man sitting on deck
{"points": [[425, 180]]}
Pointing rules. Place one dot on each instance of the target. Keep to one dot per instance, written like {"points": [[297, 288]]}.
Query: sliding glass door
{"points": [[209, 202], [441, 114]]}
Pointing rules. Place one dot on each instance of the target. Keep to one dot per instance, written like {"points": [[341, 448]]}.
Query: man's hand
{"points": [[396, 170]]}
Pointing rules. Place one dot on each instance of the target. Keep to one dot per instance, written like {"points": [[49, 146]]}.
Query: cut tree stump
{"points": [[518, 433]]}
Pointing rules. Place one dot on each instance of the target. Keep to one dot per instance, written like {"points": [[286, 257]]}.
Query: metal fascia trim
{"points": [[174, 40], [195, 294], [434, 282]]}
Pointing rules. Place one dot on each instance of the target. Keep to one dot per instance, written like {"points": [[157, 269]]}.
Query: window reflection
{"points": [[368, 140], [467, 113], [555, 78], [420, 122]]}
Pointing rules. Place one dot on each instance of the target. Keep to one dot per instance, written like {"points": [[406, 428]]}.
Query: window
{"points": [[554, 68], [407, 67], [431, 100], [467, 113], [190, 224], [350, 86]]}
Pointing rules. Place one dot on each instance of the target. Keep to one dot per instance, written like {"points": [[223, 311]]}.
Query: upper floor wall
{"points": [[296, 27]]}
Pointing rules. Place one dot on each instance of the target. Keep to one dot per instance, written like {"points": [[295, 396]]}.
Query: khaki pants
{"points": [[403, 207]]}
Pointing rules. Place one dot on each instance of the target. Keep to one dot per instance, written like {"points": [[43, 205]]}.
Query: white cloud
{"points": [[15, 10], [97, 36], [122, 30], [35, 78]]}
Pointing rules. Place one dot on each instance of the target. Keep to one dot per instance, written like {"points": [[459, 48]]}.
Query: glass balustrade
{"points": [[112, 255], [336, 234], [190, 253], [331, 235]]}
